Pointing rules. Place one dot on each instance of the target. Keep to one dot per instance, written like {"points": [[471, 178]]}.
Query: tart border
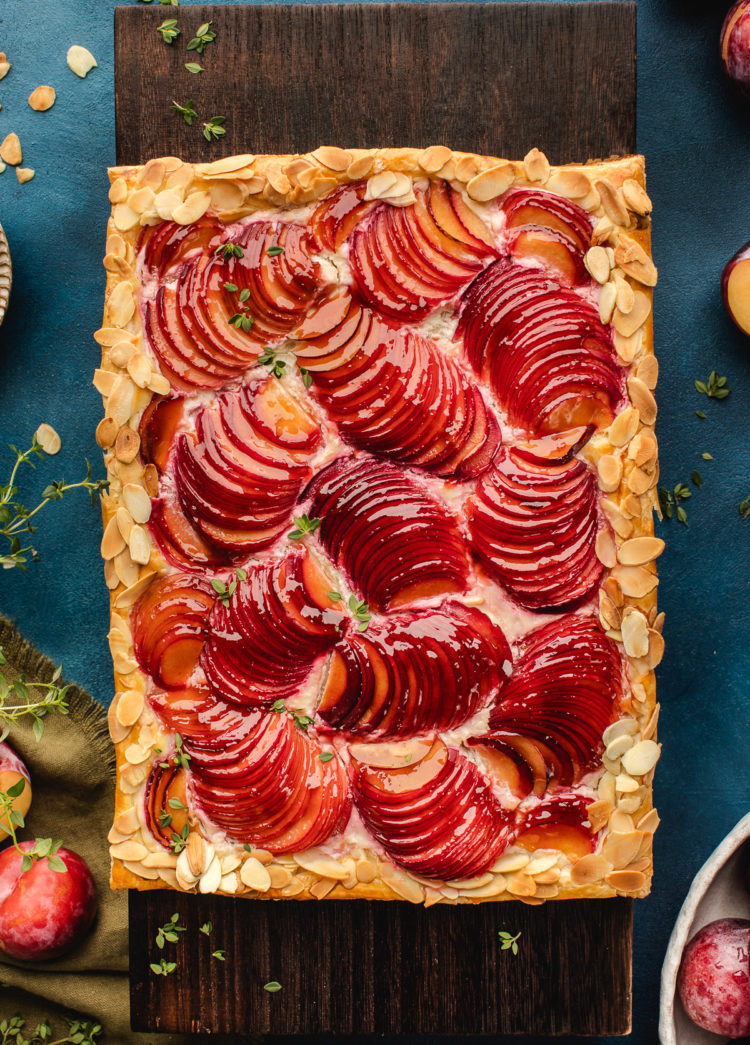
{"points": [[625, 457]]}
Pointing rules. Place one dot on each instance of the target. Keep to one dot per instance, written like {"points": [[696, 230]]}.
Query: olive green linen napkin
{"points": [[73, 792]]}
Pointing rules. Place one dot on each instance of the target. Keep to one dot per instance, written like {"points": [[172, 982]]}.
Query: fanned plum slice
{"points": [[543, 348], [566, 685], [535, 207], [262, 645], [396, 543], [560, 821], [165, 801], [272, 790], [407, 261], [238, 477], [437, 818], [394, 682], [169, 627], [159, 425], [535, 525], [335, 217], [208, 721], [163, 247]]}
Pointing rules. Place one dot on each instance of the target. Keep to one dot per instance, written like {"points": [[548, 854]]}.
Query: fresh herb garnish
{"points": [[226, 591], [169, 30], [669, 502], [707, 457], [714, 388], [268, 359], [241, 320], [304, 526], [187, 110], [80, 1032], [278, 706], [12, 820], [206, 928], [181, 758], [164, 818], [168, 933], [178, 841], [230, 250], [699, 413], [305, 375], [231, 287], [221, 955], [53, 698], [273, 252], [696, 478], [508, 942], [745, 508], [325, 756], [163, 968], [334, 596], [361, 612], [214, 128], [15, 518], [302, 721], [176, 803], [204, 36], [272, 987], [193, 67]]}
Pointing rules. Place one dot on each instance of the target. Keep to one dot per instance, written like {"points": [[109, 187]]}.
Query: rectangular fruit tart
{"points": [[379, 529]]}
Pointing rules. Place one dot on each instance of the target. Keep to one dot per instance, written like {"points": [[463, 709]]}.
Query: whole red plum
{"points": [[714, 978]]}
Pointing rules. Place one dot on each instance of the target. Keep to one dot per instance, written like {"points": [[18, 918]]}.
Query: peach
{"points": [[735, 44], [714, 978], [44, 912], [12, 770], [735, 288]]}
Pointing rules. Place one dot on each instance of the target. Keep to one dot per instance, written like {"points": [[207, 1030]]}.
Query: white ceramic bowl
{"points": [[718, 891]]}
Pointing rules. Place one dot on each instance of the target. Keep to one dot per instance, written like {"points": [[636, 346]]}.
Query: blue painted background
{"points": [[696, 137]]}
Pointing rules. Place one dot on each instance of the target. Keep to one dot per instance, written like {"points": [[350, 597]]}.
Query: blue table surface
{"points": [[695, 135]]}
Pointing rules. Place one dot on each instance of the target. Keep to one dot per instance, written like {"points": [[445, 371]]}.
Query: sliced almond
{"points": [[608, 612], [140, 545], [137, 502], [121, 400], [649, 822], [127, 445], [211, 878], [153, 174], [280, 876], [635, 581], [124, 217], [520, 884], [626, 881], [491, 183], [641, 758], [623, 727], [620, 849], [612, 202], [321, 889], [402, 884], [628, 348], [4, 68], [627, 324], [48, 439], [536, 166], [655, 649], [574, 185], [643, 399], [278, 181], [624, 426], [121, 305], [112, 542], [332, 157], [605, 547], [609, 470], [540, 864], [127, 821], [625, 295], [24, 174], [151, 480], [127, 571], [636, 198], [194, 207], [466, 168], [129, 706], [80, 60], [130, 850], [166, 202], [360, 167], [434, 158], [255, 876], [640, 550], [604, 230], [366, 870], [509, 862], [589, 869], [640, 480], [10, 149], [597, 264], [158, 384], [634, 261], [607, 301], [647, 371], [634, 630], [110, 574], [314, 861], [121, 353]]}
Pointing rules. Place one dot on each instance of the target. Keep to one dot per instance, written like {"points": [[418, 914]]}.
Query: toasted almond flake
{"points": [[124, 523], [628, 348], [121, 353], [402, 884], [434, 158], [124, 217], [658, 625], [141, 870], [108, 336], [494, 888], [151, 480], [4, 68], [110, 574], [24, 174], [605, 547], [606, 789], [636, 197], [360, 167], [641, 758], [635, 262], [366, 870], [314, 861], [332, 157], [48, 439], [655, 649], [545, 891], [153, 174], [623, 727], [634, 630], [104, 382], [608, 612], [321, 889], [621, 822], [226, 165], [10, 149], [379, 185], [609, 470], [125, 568], [166, 203], [226, 195], [80, 60], [597, 264], [117, 732], [211, 878], [491, 183], [139, 368], [626, 881], [622, 526], [121, 305], [112, 542], [589, 869], [229, 883], [548, 877], [158, 384], [574, 185], [160, 860], [509, 862], [640, 480], [625, 294], [127, 445], [471, 883], [118, 191], [612, 202], [277, 180], [630, 803], [536, 166], [185, 877], [649, 729], [520, 884], [194, 207], [140, 545], [137, 502], [135, 754], [643, 448], [280, 876], [127, 821], [616, 749], [130, 850], [142, 200], [604, 230], [607, 300], [121, 400], [255, 876], [625, 783], [466, 168], [643, 399], [126, 598], [635, 581], [649, 822], [639, 551], [647, 371], [115, 836], [541, 864], [628, 324]]}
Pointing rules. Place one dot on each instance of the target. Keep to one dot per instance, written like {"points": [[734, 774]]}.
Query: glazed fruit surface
{"points": [[380, 527]]}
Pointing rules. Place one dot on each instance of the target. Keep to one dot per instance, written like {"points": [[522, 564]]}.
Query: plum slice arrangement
{"points": [[424, 423]]}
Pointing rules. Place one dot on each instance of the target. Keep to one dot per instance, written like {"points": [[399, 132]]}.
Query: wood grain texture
{"points": [[488, 78], [493, 78], [359, 967]]}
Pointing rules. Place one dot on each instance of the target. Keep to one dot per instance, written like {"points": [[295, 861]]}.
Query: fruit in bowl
{"points": [[735, 44], [48, 909], [714, 978], [735, 288]]}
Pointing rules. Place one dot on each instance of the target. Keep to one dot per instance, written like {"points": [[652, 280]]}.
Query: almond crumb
{"points": [[24, 174], [42, 98], [10, 150]]}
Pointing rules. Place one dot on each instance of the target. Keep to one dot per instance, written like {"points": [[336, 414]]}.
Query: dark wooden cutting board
{"points": [[492, 78]]}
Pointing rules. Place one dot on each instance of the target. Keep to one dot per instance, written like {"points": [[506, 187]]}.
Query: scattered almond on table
{"points": [[80, 60], [10, 150], [4, 65], [42, 98]]}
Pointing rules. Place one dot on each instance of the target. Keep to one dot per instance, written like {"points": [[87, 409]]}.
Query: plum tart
{"points": [[379, 430]]}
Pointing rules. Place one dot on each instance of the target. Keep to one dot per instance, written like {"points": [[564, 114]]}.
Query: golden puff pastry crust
{"points": [[161, 837]]}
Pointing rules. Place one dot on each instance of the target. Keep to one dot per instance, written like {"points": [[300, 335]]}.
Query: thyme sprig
{"points": [[214, 128], [715, 387], [13, 821], [276, 366], [15, 517], [52, 698], [509, 942], [304, 526], [669, 502], [187, 110], [169, 30], [204, 35], [169, 933], [361, 612], [80, 1032]]}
